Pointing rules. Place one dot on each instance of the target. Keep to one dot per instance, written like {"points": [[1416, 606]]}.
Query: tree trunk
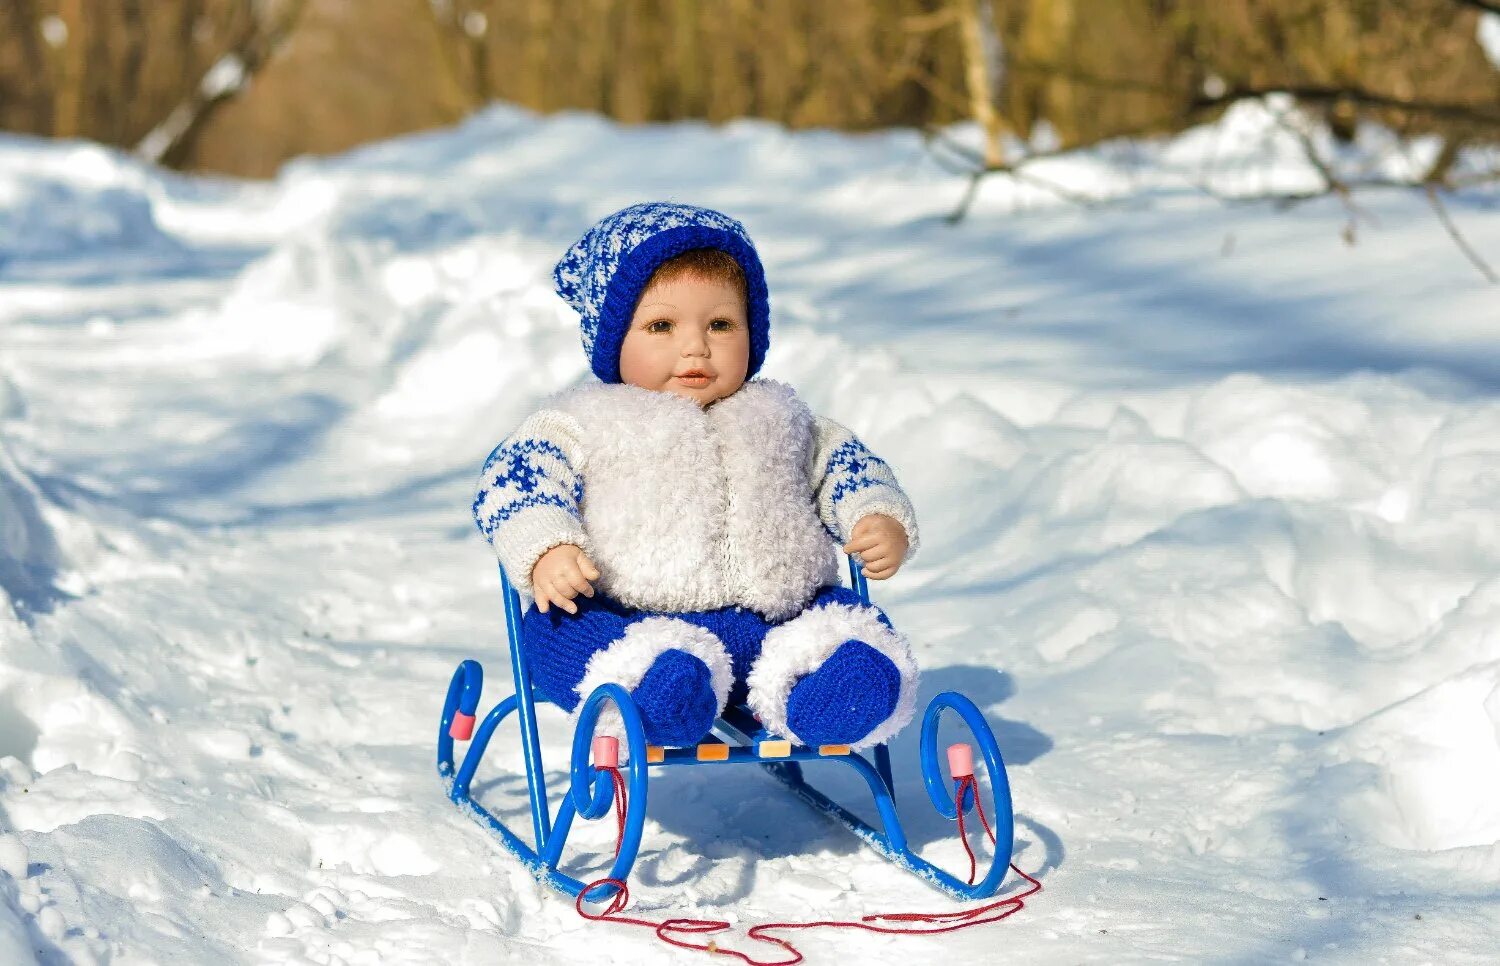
{"points": [[982, 66]]}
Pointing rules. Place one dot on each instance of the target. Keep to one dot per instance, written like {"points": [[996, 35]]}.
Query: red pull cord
{"points": [[969, 781], [619, 780], [940, 921]]}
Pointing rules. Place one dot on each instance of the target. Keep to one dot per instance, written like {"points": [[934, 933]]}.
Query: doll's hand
{"points": [[881, 544], [561, 574]]}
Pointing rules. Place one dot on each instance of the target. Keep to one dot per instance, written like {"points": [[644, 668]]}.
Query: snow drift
{"points": [[1210, 503]]}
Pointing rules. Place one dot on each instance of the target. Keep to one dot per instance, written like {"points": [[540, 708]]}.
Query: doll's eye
{"points": [[728, 324], [653, 326]]}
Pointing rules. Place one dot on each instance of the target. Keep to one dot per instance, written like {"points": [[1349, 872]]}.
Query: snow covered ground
{"points": [[1210, 504]]}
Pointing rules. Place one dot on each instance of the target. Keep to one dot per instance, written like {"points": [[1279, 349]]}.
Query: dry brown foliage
{"points": [[350, 71]]}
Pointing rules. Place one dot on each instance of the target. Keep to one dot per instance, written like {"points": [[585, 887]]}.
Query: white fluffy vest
{"points": [[690, 509]]}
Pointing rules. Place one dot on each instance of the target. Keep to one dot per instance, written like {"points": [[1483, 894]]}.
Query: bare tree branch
{"points": [[940, 92], [976, 170], [1458, 238], [1478, 178], [1490, 6], [927, 22], [1332, 183], [976, 166], [1437, 172], [1473, 113], [170, 142]]}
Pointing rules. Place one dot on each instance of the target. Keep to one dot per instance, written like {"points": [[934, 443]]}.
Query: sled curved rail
{"points": [[591, 792]]}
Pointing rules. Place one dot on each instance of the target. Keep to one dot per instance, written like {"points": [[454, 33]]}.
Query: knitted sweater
{"points": [[682, 508]]}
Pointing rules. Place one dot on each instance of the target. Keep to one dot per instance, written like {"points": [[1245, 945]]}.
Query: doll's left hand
{"points": [[880, 542]]}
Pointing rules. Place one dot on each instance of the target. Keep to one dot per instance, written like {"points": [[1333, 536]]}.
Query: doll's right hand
{"points": [[560, 575]]}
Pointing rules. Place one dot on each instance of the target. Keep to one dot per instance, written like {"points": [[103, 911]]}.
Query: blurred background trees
{"points": [[239, 86]]}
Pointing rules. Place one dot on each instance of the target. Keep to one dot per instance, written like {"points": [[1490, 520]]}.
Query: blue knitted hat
{"points": [[604, 273]]}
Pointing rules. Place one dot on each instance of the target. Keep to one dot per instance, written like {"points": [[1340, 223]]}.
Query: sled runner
{"points": [[592, 788]]}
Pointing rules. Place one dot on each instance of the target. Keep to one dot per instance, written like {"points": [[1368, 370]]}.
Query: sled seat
{"points": [[752, 741]]}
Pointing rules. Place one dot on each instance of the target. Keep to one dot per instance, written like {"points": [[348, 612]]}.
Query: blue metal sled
{"points": [[591, 790]]}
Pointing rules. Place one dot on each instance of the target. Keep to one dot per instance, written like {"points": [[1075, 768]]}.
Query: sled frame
{"points": [[591, 791]]}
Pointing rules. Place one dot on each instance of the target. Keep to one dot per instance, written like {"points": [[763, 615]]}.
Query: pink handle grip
{"points": [[960, 760], [606, 752], [462, 728]]}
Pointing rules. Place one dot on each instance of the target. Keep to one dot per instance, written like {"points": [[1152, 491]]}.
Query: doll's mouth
{"points": [[696, 375]]}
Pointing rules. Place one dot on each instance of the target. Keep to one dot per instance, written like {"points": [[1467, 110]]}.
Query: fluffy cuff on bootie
{"points": [[801, 645], [626, 661]]}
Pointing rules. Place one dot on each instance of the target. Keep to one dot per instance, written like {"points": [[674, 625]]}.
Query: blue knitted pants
{"points": [[837, 673]]}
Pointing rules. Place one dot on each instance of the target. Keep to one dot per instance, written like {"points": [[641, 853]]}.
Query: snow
{"points": [[1211, 511], [227, 74], [1488, 34]]}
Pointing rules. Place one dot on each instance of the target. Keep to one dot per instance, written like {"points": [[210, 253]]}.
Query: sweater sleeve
{"points": [[530, 493], [851, 482]]}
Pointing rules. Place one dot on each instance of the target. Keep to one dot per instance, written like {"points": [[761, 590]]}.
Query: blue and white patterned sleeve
{"points": [[530, 492], [851, 482]]}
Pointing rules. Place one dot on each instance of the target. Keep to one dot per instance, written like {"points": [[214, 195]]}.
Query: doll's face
{"points": [[688, 326]]}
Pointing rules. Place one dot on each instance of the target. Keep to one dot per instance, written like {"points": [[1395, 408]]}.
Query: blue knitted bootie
{"points": [[845, 698], [676, 699]]}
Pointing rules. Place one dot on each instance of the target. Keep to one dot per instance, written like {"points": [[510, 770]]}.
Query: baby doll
{"points": [[707, 506]]}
